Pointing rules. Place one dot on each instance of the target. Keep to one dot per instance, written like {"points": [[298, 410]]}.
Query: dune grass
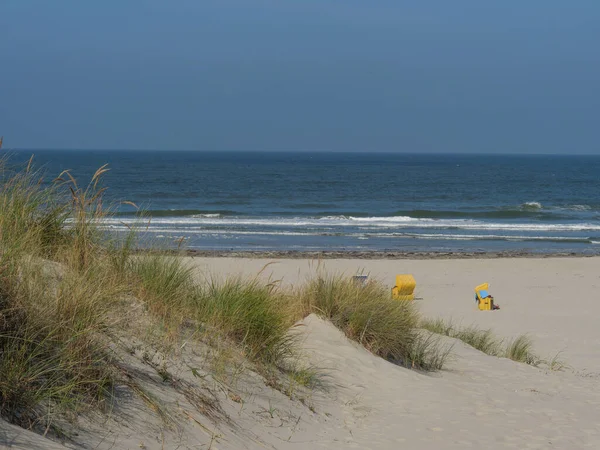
{"points": [[519, 349], [250, 312], [165, 285], [50, 315], [51, 350], [482, 340], [63, 281], [32, 217], [367, 314]]}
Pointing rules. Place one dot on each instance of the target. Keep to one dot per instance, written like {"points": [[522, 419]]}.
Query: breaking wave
{"points": [[531, 206], [363, 223]]}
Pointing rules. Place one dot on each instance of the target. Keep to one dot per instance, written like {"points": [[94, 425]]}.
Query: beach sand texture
{"points": [[555, 300], [479, 401]]}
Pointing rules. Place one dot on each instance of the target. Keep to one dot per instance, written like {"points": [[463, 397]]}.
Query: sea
{"points": [[266, 201]]}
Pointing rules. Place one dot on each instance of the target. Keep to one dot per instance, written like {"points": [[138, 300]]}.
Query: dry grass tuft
{"points": [[50, 319], [519, 349], [251, 313], [165, 285], [367, 314], [63, 282]]}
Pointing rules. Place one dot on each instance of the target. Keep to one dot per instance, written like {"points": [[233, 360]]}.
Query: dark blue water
{"points": [[335, 201]]}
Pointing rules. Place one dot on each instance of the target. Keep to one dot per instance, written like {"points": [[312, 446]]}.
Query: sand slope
{"points": [[481, 401], [12, 436], [555, 300], [478, 402]]}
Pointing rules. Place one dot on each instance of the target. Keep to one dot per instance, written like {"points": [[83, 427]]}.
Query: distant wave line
{"points": [[398, 222], [552, 213], [441, 236]]}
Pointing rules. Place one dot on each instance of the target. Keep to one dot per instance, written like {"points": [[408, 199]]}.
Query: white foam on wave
{"points": [[579, 207], [391, 220], [525, 227], [216, 219], [208, 232], [531, 205], [207, 216], [478, 237], [228, 234], [363, 223]]}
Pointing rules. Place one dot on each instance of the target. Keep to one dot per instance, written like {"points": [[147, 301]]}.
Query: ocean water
{"points": [[349, 201]]}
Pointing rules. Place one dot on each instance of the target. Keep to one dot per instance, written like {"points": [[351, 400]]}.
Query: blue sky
{"points": [[429, 75]]}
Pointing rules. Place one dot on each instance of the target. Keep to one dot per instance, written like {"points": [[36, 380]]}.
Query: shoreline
{"points": [[375, 255]]}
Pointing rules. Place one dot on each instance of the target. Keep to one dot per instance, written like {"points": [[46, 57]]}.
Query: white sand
{"points": [[555, 300], [479, 402], [482, 401]]}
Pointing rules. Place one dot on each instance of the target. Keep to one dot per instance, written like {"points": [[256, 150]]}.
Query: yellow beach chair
{"points": [[485, 302], [405, 287]]}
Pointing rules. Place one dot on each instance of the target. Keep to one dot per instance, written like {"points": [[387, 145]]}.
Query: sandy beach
{"points": [[552, 299], [480, 401], [477, 401]]}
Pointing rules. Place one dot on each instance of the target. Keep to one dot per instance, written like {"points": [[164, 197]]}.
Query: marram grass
{"points": [[519, 349], [367, 314], [63, 281]]}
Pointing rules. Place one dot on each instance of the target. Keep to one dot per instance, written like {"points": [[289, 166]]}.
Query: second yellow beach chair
{"points": [[485, 302], [405, 287]]}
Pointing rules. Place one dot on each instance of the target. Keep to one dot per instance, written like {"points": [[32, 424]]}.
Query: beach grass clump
{"points": [[86, 211], [556, 363], [32, 215], [367, 314], [438, 326], [55, 300], [165, 284], [519, 349], [253, 315], [250, 312], [52, 355], [307, 376], [63, 282], [428, 352], [482, 340]]}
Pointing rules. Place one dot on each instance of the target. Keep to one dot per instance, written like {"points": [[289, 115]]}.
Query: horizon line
{"points": [[387, 152]]}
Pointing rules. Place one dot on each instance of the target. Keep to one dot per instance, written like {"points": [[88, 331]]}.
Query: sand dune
{"points": [[479, 401], [555, 300]]}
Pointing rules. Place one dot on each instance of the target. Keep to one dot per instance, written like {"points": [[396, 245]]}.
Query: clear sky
{"points": [[385, 75]]}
